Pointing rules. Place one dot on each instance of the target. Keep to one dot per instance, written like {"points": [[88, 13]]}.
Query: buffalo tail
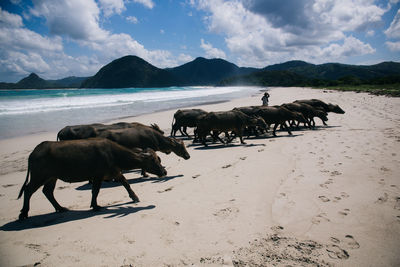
{"points": [[26, 181]]}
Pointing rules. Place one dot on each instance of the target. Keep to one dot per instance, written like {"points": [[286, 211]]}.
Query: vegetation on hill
{"points": [[133, 71], [130, 71], [202, 71]]}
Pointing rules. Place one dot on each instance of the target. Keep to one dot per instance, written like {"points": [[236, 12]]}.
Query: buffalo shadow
{"points": [[54, 218], [112, 184]]}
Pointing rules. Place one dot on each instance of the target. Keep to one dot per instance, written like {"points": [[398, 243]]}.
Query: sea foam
{"points": [[29, 111]]}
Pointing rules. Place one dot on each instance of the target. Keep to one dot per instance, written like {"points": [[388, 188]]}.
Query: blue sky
{"points": [[60, 38]]}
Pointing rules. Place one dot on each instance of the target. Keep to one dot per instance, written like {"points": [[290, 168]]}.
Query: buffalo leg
{"points": [[185, 131], [274, 131], [125, 183], [95, 192], [180, 130], [144, 174], [30, 188], [241, 139], [48, 190], [284, 126]]}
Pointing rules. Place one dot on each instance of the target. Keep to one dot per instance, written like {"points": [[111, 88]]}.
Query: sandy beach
{"points": [[323, 197]]}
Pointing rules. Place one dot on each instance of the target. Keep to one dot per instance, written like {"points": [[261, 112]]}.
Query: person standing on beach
{"points": [[265, 99]]}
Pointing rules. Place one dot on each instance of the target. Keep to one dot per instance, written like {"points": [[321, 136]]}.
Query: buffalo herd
{"points": [[98, 152]]}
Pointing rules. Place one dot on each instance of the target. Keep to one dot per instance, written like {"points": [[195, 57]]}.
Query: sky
{"points": [[61, 38]]}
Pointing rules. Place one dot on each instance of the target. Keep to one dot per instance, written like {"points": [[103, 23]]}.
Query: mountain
{"points": [[130, 71], [69, 82], [266, 78], [334, 71], [289, 65], [202, 71], [33, 81]]}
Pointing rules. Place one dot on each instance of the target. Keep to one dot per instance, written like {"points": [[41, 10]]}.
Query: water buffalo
{"points": [[279, 115], [92, 130], [309, 112], [319, 103], [184, 118], [95, 159], [146, 137], [225, 121], [252, 111]]}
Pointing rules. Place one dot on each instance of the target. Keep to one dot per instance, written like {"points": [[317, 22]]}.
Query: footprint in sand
{"points": [[324, 198], [336, 199], [351, 242], [227, 212], [344, 194], [277, 228], [329, 181], [8, 185], [382, 199], [335, 173], [344, 212], [335, 240], [397, 204], [320, 218], [382, 182], [336, 252], [165, 190]]}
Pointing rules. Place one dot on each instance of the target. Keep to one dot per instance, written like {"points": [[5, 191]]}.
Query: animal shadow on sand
{"points": [[49, 219], [111, 184]]}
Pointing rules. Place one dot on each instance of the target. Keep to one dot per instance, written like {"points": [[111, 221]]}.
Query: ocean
{"points": [[24, 112]]}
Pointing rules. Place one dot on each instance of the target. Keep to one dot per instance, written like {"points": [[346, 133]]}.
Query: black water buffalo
{"points": [[78, 132], [184, 118], [95, 159], [252, 112], [279, 115], [146, 137], [92, 130], [319, 103], [225, 121], [309, 112]]}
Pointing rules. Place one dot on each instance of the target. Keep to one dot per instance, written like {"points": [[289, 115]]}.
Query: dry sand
{"points": [[329, 196]]}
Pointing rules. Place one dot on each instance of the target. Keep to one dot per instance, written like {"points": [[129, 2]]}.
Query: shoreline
{"points": [[329, 196], [45, 113]]}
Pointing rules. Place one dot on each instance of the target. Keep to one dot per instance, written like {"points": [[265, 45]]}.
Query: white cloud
{"points": [[211, 51], [393, 31], [370, 33], [393, 46], [13, 36], [110, 7], [76, 19], [132, 19], [146, 3], [79, 20], [10, 20], [351, 47], [264, 32]]}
